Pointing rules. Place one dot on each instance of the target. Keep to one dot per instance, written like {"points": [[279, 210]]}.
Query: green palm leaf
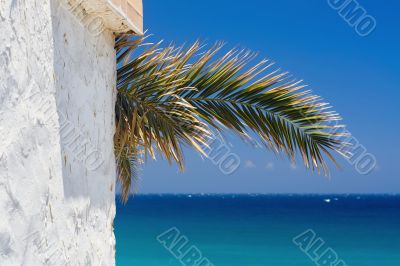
{"points": [[172, 96]]}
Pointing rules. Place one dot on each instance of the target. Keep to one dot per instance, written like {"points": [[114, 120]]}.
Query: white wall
{"points": [[57, 168]]}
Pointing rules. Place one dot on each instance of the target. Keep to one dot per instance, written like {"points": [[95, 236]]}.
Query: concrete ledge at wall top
{"points": [[115, 15], [132, 10]]}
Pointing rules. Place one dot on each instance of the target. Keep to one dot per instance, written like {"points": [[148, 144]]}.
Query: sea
{"points": [[258, 230]]}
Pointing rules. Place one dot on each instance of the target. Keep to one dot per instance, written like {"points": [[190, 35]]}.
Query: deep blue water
{"points": [[243, 230]]}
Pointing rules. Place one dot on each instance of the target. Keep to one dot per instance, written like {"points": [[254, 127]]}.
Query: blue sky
{"points": [[359, 76]]}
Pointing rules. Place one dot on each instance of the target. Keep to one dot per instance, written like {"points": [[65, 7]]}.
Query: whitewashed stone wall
{"points": [[57, 167]]}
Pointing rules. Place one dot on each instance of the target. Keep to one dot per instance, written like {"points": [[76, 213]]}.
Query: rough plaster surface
{"points": [[57, 170]]}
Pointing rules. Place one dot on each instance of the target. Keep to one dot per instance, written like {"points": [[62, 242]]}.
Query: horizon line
{"points": [[269, 194]]}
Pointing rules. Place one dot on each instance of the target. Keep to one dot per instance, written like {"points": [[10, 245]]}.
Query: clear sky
{"points": [[359, 76]]}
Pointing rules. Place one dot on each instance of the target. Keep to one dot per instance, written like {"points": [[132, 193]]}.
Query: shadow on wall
{"points": [[84, 62]]}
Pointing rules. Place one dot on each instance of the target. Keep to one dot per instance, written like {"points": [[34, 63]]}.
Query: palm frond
{"points": [[172, 96], [129, 161]]}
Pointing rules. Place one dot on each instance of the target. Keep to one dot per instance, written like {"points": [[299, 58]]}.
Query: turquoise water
{"points": [[232, 230]]}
